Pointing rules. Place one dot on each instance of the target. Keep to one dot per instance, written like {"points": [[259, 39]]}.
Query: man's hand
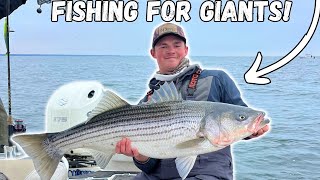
{"points": [[124, 147], [259, 132]]}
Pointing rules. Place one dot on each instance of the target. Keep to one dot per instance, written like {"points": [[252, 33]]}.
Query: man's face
{"points": [[169, 52]]}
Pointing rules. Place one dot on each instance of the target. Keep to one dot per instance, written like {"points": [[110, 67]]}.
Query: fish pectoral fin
{"points": [[184, 165], [192, 143], [102, 158], [109, 101]]}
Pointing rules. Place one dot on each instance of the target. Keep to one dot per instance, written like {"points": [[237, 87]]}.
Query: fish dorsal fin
{"points": [[108, 102], [184, 165], [166, 92]]}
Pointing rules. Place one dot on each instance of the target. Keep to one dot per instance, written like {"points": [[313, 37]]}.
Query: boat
{"points": [[307, 56]]}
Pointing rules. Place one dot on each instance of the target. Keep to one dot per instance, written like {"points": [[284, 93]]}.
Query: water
{"points": [[290, 151]]}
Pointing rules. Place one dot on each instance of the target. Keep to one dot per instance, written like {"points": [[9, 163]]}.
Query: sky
{"points": [[36, 34]]}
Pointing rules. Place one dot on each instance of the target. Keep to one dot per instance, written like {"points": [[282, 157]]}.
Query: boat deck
{"points": [[108, 175], [19, 169]]}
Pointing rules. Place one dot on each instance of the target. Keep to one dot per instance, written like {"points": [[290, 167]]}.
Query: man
{"points": [[170, 50], [14, 4]]}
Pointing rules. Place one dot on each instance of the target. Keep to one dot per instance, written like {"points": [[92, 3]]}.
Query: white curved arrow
{"points": [[254, 76]]}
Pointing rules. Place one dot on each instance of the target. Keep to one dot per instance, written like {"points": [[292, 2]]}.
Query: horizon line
{"points": [[58, 54]]}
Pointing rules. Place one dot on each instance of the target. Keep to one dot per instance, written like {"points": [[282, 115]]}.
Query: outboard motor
{"points": [[71, 104]]}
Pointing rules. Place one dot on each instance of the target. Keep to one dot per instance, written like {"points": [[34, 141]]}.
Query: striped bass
{"points": [[164, 127]]}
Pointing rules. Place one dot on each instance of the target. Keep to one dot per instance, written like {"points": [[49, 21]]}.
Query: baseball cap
{"points": [[167, 29]]}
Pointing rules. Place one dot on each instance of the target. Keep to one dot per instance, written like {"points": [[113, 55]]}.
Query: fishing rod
{"points": [[7, 41]]}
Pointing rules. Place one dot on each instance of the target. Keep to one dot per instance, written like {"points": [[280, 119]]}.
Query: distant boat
{"points": [[307, 56]]}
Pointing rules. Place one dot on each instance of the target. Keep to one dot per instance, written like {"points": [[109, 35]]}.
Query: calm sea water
{"points": [[290, 151]]}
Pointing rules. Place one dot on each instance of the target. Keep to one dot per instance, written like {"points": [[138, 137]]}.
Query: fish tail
{"points": [[36, 147]]}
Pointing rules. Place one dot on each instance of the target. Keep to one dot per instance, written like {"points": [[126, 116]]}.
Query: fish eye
{"points": [[242, 117]]}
